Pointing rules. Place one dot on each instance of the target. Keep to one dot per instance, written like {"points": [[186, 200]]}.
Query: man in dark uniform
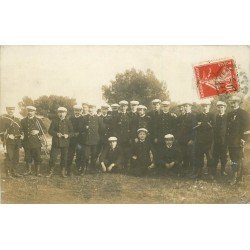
{"points": [[114, 115], [111, 157], [170, 155], [122, 128], [74, 146], [237, 125], [142, 156], [33, 129], [204, 138], [186, 138], [133, 114], [179, 120], [106, 132], [90, 129], [11, 138], [155, 117], [220, 145], [167, 122], [61, 130], [140, 121]]}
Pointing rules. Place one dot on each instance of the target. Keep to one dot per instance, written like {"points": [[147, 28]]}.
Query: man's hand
{"points": [[171, 164], [59, 135], [191, 142], [134, 157], [34, 132], [66, 136], [151, 166], [22, 137], [167, 165], [111, 166], [155, 140], [242, 142], [12, 137], [136, 139], [103, 167]]}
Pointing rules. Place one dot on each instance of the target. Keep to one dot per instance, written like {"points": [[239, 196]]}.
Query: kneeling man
{"points": [[170, 156], [111, 156], [142, 153]]}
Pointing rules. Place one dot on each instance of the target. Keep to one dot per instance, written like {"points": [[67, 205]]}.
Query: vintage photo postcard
{"points": [[125, 124]]}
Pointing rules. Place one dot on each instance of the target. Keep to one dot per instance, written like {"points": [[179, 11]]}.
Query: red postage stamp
{"points": [[216, 78]]}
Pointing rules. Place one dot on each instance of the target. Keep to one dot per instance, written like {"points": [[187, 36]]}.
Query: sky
{"points": [[80, 71]]}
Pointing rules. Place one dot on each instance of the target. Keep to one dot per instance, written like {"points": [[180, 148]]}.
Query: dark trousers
{"points": [[188, 156], [175, 170], [74, 150], [55, 151], [33, 154], [236, 155], [220, 154], [12, 157], [90, 152], [202, 150]]}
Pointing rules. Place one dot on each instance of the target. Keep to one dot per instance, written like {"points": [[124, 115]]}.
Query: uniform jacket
{"points": [[109, 155], [204, 133], [167, 124], [220, 129], [186, 132], [144, 153], [90, 128], [27, 125], [10, 125], [75, 121], [154, 124], [168, 155], [140, 122], [123, 127], [106, 131], [60, 126], [237, 124], [113, 123]]}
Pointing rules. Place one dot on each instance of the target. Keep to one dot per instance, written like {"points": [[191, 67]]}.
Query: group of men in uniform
{"points": [[135, 140]]}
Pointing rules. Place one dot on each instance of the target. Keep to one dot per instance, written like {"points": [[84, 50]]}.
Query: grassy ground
{"points": [[119, 188]]}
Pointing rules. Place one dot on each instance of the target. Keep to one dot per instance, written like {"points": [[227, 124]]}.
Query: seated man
{"points": [[142, 153], [111, 156], [170, 156]]}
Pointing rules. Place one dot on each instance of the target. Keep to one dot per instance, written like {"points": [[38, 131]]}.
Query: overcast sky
{"points": [[80, 71]]}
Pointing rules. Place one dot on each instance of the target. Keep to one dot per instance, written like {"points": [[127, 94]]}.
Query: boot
{"points": [[29, 170], [38, 174], [50, 173], [64, 173]]}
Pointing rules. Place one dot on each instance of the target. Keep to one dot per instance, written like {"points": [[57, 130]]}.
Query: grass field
{"points": [[119, 188]]}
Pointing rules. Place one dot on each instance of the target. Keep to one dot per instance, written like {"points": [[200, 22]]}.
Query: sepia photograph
{"points": [[125, 124]]}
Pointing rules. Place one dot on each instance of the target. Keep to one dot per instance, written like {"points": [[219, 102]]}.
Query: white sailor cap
{"points": [[205, 102], [134, 102], [142, 107], [77, 107], [142, 130], [105, 106], [156, 101], [62, 109], [220, 103], [123, 103], [169, 136], [31, 108], [115, 105], [112, 138], [235, 98], [165, 103]]}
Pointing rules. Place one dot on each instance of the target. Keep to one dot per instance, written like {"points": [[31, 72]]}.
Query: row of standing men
{"points": [[158, 138]]}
